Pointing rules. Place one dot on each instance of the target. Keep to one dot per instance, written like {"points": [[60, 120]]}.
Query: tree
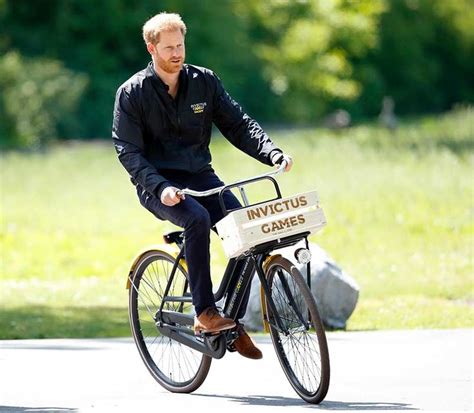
{"points": [[38, 98], [425, 57], [307, 47]]}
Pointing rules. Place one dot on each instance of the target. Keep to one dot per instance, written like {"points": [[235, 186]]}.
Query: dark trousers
{"points": [[197, 216]]}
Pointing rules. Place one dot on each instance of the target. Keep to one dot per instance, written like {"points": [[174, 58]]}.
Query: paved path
{"points": [[371, 371]]}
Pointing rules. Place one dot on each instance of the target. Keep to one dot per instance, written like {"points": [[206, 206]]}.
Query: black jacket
{"points": [[154, 133]]}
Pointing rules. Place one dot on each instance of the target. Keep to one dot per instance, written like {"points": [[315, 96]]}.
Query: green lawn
{"points": [[400, 209]]}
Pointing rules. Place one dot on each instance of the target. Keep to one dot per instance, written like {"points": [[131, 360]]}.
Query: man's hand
{"points": [[169, 196], [279, 157]]}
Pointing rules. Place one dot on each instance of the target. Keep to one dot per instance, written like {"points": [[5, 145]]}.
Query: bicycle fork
{"points": [[276, 320]]}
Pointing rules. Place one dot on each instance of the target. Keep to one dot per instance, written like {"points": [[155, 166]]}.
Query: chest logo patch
{"points": [[198, 107]]}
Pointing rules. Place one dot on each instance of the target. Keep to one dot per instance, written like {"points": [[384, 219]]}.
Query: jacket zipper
{"points": [[177, 117], [179, 127]]}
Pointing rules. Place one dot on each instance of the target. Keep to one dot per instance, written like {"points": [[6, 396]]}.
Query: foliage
{"points": [[69, 30], [284, 61], [424, 58], [307, 46], [400, 220], [38, 98]]}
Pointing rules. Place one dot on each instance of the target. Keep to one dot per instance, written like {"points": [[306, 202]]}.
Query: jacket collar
{"points": [[162, 86]]}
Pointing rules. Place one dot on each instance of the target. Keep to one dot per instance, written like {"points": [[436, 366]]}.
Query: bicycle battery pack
{"points": [[248, 227]]}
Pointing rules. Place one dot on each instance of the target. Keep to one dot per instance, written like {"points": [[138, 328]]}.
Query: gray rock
{"points": [[336, 292]]}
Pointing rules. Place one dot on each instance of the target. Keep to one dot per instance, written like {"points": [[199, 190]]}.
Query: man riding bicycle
{"points": [[162, 125]]}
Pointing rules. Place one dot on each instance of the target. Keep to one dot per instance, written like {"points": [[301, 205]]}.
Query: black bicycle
{"points": [[162, 316]]}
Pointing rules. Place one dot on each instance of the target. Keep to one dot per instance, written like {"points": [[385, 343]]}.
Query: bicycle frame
{"points": [[215, 346], [253, 262]]}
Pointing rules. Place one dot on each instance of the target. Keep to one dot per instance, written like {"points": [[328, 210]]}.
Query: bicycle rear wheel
{"points": [[301, 347], [176, 367]]}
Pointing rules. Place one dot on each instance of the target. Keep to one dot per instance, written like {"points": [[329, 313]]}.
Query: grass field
{"points": [[400, 209]]}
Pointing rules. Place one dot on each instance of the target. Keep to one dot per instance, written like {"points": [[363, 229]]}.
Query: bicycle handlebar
{"points": [[187, 191]]}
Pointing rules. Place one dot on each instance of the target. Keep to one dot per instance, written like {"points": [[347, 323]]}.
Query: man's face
{"points": [[169, 52]]}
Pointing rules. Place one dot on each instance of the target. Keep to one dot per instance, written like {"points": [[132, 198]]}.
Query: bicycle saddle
{"points": [[176, 237]]}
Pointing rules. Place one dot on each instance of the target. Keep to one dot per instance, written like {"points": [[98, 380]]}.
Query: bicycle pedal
{"points": [[231, 348], [233, 335]]}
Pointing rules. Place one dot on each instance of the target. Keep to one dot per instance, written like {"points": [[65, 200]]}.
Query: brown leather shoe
{"points": [[245, 345], [210, 321]]}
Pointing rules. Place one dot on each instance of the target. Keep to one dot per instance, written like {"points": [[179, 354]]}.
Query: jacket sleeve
{"points": [[239, 128], [127, 135]]}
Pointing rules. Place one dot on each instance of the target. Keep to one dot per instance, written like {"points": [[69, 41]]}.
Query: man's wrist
{"points": [[161, 187]]}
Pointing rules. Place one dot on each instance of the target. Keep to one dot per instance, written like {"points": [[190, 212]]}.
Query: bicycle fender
{"points": [[266, 263], [269, 260], [169, 249]]}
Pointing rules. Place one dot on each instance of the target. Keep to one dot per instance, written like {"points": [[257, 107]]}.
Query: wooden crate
{"points": [[250, 226]]}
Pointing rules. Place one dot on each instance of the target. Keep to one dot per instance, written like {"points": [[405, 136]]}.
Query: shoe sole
{"points": [[214, 330]]}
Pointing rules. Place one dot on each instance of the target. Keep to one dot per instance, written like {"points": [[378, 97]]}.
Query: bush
{"points": [[37, 100]]}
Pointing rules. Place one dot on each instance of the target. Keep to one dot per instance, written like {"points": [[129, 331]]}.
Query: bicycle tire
{"points": [[148, 282], [303, 353]]}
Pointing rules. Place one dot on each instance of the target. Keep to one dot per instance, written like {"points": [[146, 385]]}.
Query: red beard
{"points": [[169, 66]]}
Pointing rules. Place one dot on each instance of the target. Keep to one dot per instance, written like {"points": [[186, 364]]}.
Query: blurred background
{"points": [[289, 62], [373, 98]]}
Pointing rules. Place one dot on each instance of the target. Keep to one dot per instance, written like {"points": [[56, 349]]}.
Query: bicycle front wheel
{"points": [[176, 367], [300, 344]]}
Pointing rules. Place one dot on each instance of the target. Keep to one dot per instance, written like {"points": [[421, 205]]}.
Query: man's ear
{"points": [[151, 48]]}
